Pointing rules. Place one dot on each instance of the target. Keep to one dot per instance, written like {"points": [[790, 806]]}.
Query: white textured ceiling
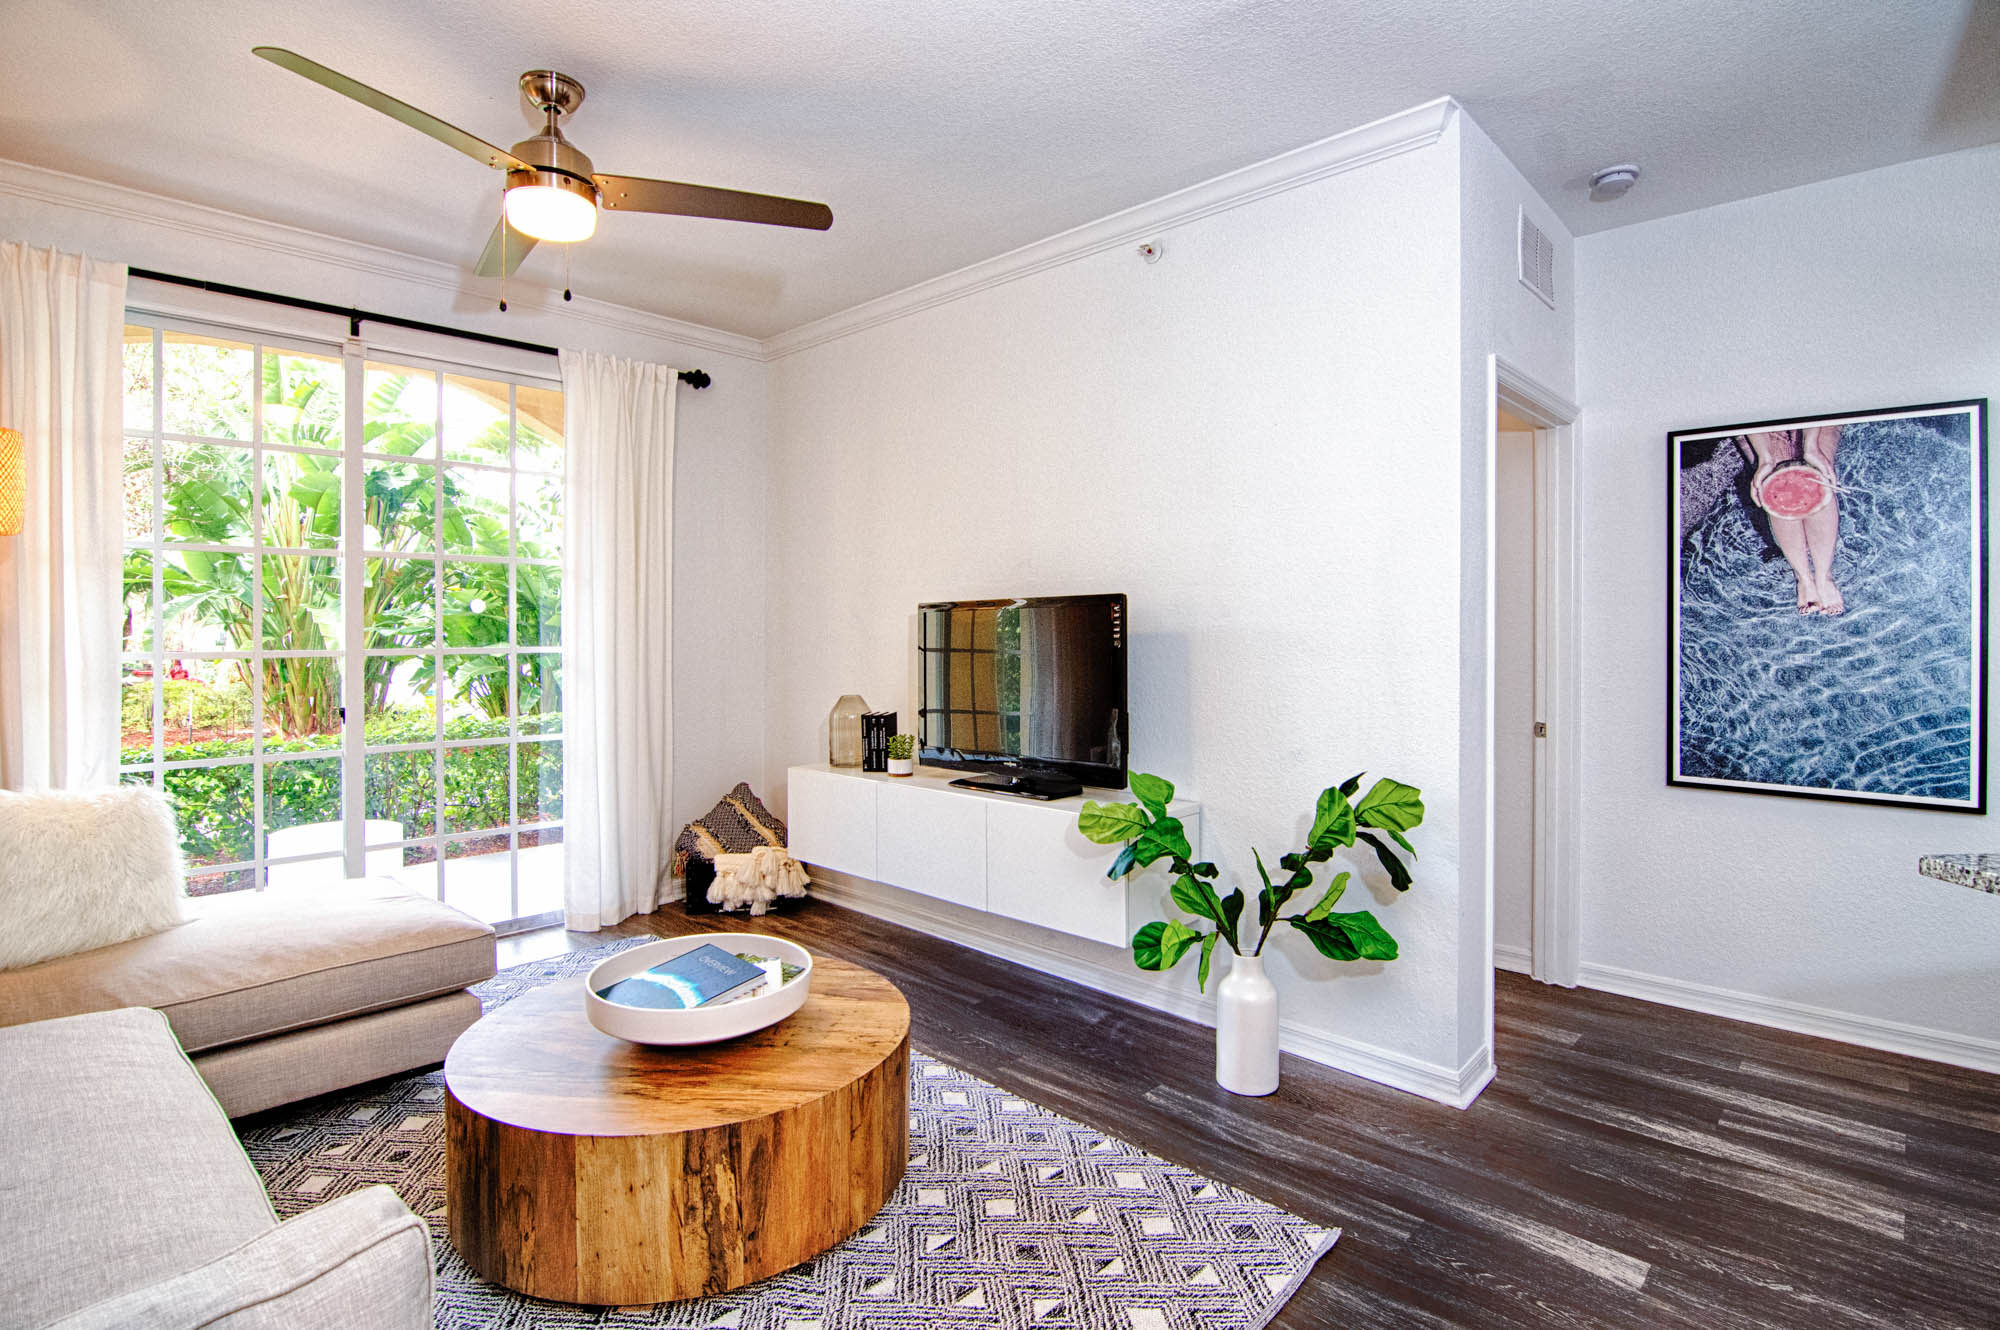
{"points": [[942, 134]]}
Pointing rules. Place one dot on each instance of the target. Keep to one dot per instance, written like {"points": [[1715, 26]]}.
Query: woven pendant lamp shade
{"points": [[13, 482]]}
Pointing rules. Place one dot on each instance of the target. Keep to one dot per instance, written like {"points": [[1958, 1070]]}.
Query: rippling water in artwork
{"points": [[1873, 701]]}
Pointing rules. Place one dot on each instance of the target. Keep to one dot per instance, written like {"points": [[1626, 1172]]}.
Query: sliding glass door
{"points": [[313, 537], [461, 615]]}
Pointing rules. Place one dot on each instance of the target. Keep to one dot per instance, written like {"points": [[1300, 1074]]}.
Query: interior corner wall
{"points": [[1257, 438], [719, 464], [1499, 316], [1873, 290]]}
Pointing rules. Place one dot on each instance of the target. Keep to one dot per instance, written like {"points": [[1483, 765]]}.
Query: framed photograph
{"points": [[1826, 607]]}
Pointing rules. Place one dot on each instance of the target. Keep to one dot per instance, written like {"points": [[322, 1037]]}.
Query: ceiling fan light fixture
{"points": [[552, 191], [551, 206]]}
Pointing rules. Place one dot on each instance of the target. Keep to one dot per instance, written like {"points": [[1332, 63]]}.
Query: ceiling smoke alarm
{"points": [[1612, 182]]}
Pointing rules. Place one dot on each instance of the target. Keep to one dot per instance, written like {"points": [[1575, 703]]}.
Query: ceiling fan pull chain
{"points": [[566, 250], [503, 251]]}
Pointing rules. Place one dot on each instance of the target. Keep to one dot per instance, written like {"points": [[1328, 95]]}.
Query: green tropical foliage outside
{"points": [[411, 513]]}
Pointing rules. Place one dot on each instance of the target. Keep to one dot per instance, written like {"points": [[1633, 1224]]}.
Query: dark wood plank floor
{"points": [[1631, 1166]]}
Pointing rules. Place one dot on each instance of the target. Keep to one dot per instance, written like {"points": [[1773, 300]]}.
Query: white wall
{"points": [[1873, 290], [719, 471], [1259, 439], [1498, 317]]}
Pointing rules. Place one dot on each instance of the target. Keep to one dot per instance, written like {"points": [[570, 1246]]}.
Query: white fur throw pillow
{"points": [[85, 870]]}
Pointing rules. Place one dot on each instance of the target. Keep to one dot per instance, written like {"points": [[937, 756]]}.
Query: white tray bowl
{"points": [[696, 1025]]}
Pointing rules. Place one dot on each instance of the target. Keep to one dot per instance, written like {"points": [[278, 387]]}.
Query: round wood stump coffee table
{"points": [[583, 1168]]}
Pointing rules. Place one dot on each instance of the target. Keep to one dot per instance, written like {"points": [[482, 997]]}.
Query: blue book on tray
{"points": [[691, 979]]}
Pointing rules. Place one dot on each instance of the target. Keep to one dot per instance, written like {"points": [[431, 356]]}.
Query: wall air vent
{"points": [[1538, 261]]}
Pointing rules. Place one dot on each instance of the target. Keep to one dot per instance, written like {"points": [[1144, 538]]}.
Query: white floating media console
{"points": [[1021, 858]]}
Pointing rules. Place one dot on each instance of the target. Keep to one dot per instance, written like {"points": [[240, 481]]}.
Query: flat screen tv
{"points": [[1030, 688]]}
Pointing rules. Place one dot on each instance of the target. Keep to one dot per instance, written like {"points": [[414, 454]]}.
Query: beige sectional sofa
{"points": [[286, 993], [126, 1201]]}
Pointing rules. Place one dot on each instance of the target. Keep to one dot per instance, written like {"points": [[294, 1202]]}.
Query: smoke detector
{"points": [[1612, 182]]}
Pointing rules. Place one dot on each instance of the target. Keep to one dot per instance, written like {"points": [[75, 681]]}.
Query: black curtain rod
{"points": [[693, 378]]}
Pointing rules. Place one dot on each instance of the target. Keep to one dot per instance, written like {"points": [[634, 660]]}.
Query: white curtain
{"points": [[61, 353], [618, 542]]}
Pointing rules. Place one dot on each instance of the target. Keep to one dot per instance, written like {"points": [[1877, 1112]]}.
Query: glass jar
{"points": [[843, 731]]}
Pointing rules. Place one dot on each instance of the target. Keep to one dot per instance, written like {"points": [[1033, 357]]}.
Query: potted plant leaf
{"points": [[902, 754], [1246, 1027]]}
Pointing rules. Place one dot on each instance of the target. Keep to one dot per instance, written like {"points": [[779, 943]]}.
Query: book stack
{"points": [[876, 727], [699, 978]]}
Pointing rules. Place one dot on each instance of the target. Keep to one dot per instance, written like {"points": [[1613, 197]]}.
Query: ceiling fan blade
{"points": [[450, 135], [626, 193], [518, 246]]}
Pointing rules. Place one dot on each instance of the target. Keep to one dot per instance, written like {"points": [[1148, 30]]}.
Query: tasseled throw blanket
{"points": [[756, 879], [744, 843]]}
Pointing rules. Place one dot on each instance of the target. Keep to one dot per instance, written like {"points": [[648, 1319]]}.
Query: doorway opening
{"points": [[1534, 708]]}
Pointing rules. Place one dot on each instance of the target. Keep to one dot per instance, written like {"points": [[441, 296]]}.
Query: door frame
{"points": [[1555, 945]]}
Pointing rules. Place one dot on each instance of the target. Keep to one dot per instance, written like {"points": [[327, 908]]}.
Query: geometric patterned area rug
{"points": [[1009, 1216]]}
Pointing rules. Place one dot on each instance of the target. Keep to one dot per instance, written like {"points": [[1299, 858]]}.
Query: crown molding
{"points": [[1390, 136], [61, 189]]}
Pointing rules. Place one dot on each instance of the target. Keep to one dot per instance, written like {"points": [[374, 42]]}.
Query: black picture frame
{"points": [[1840, 683]]}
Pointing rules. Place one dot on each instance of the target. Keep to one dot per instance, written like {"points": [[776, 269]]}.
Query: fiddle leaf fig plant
{"points": [[1383, 817]]}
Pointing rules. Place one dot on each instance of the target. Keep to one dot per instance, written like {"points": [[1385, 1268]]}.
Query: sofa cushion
{"points": [[362, 1262], [84, 869], [121, 1169], [254, 963], [263, 1073]]}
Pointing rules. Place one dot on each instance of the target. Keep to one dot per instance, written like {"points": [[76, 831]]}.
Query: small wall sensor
{"points": [[1612, 182], [1150, 252]]}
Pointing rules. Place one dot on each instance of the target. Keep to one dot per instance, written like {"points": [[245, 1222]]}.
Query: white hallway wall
{"points": [[1498, 316], [719, 465], [1261, 440], [1872, 290]]}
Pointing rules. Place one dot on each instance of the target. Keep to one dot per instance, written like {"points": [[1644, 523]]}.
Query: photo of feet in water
{"points": [[1827, 607]]}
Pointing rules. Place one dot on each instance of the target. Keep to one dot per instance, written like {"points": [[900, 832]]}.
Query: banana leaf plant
{"points": [[1388, 812]]}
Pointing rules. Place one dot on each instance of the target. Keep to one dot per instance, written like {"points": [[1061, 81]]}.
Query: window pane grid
{"points": [[456, 463], [456, 838], [233, 412], [245, 549], [221, 441], [250, 865]]}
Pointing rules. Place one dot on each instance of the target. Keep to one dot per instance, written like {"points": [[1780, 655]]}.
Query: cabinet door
{"points": [[831, 820], [1040, 869], [932, 841]]}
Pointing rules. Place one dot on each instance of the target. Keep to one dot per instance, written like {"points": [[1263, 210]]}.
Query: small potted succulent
{"points": [[902, 754]]}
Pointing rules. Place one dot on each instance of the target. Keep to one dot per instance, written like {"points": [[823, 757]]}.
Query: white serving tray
{"points": [[698, 1025]]}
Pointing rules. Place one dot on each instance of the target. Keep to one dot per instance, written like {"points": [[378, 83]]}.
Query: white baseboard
{"points": [[1474, 1076], [1516, 959], [1915, 1041], [1456, 1086]]}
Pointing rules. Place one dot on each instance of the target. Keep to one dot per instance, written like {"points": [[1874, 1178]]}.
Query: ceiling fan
{"points": [[552, 193]]}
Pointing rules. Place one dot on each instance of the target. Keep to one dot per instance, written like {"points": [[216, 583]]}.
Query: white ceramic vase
{"points": [[1246, 1029], [902, 766]]}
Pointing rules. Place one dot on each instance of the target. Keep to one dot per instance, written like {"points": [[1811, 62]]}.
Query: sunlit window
{"points": [[309, 539]]}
